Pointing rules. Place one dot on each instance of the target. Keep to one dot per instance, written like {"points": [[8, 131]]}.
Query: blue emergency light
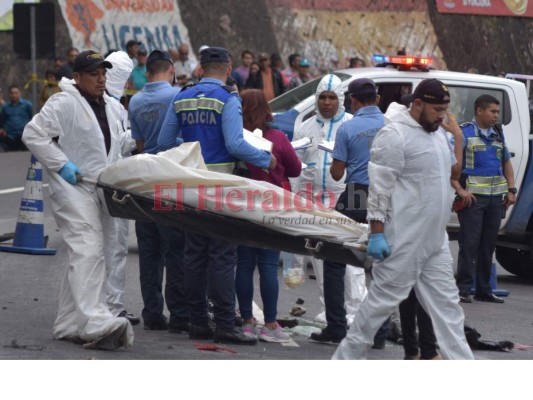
{"points": [[379, 59]]}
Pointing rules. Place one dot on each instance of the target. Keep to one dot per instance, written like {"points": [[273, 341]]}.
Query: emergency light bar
{"points": [[403, 62]]}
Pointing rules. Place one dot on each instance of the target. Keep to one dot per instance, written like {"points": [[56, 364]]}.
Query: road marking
{"points": [[291, 343], [16, 189]]}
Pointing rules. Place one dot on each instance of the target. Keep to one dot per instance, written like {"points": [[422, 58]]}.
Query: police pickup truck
{"points": [[399, 75]]}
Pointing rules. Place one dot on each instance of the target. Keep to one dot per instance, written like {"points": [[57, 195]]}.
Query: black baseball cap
{"points": [[90, 60], [157, 55], [214, 54], [132, 43], [361, 86], [430, 91]]}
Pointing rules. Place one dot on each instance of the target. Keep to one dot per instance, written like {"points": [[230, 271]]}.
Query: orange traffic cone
{"points": [[29, 233]]}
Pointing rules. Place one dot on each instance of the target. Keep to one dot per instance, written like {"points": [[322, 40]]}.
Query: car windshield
{"points": [[288, 100]]}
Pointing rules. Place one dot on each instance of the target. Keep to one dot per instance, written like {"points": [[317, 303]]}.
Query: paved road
{"points": [[28, 300]]}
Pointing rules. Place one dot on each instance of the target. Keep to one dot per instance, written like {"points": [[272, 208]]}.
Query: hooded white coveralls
{"points": [[116, 249], [317, 174], [409, 191], [79, 210]]}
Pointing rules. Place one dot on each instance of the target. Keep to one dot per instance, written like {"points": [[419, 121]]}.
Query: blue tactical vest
{"points": [[482, 162], [199, 112]]}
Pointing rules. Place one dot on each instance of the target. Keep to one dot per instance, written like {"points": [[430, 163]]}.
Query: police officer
{"points": [[487, 188], [211, 114]]}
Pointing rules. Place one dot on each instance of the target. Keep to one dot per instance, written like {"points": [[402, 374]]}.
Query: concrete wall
{"points": [[329, 32]]}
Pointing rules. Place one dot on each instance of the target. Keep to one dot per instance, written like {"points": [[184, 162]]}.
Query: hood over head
{"points": [[119, 74], [330, 83], [399, 113]]}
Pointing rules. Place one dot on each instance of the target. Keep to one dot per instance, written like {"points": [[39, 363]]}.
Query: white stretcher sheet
{"points": [[181, 175]]}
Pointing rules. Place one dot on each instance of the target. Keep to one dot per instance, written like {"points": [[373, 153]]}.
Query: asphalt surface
{"points": [[29, 288]]}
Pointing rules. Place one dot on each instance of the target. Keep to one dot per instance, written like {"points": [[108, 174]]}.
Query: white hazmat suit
{"points": [[66, 129], [116, 248], [318, 176], [409, 173]]}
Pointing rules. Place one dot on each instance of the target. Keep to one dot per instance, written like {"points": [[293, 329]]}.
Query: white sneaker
{"points": [[273, 335]]}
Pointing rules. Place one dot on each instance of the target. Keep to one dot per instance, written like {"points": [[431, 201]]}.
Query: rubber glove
{"points": [[68, 172], [378, 248]]}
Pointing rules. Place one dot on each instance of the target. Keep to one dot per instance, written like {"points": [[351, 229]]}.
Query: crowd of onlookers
{"points": [[254, 71]]}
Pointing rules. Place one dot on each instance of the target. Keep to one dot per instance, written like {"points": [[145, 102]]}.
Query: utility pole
{"points": [[33, 50]]}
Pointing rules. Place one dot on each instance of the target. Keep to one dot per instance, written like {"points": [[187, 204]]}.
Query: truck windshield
{"points": [[288, 100], [463, 98]]}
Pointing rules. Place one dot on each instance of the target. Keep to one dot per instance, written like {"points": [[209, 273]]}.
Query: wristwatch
{"points": [[512, 190]]}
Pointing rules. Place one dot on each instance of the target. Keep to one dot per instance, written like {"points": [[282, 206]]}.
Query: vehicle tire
{"points": [[515, 261]]}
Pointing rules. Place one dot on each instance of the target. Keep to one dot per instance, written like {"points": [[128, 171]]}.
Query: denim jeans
{"points": [[267, 261], [161, 247]]}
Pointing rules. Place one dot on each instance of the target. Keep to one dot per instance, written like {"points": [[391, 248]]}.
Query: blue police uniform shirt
{"points": [[488, 135], [147, 111], [15, 117], [353, 141], [171, 133]]}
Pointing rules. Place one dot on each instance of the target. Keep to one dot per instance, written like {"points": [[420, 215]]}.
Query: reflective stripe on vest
{"points": [[486, 185], [226, 168], [204, 103]]}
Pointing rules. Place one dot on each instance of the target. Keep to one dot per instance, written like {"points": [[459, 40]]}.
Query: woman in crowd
{"points": [[257, 114]]}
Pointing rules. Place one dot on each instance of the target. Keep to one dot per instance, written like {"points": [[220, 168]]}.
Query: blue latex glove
{"points": [[378, 248], [68, 172]]}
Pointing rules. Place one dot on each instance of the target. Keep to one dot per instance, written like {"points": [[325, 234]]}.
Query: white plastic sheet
{"points": [[180, 175]]}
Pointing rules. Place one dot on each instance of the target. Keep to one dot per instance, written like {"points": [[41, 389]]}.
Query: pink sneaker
{"points": [[273, 335], [250, 329]]}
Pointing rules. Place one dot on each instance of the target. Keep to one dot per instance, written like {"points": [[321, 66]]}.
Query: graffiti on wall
{"points": [[103, 25]]}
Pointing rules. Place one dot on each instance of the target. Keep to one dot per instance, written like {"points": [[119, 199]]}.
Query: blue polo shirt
{"points": [[353, 141], [15, 117], [147, 111]]}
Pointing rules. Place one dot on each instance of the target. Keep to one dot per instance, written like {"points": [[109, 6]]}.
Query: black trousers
{"points": [[210, 269], [411, 315], [161, 247], [479, 226], [352, 203]]}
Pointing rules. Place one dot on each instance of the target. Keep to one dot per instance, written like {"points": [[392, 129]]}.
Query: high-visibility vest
{"points": [[199, 112], [482, 162]]}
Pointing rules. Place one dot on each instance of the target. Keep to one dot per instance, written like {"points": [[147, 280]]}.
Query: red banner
{"points": [[508, 8]]}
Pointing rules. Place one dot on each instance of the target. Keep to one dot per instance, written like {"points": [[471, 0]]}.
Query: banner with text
{"points": [[509, 8], [103, 25]]}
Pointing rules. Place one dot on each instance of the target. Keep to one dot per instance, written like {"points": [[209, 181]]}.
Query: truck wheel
{"points": [[515, 261]]}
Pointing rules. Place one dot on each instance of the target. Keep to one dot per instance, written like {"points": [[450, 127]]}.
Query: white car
{"points": [[393, 81]]}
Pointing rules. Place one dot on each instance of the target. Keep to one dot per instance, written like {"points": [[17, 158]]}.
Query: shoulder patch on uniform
{"points": [[466, 124]]}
